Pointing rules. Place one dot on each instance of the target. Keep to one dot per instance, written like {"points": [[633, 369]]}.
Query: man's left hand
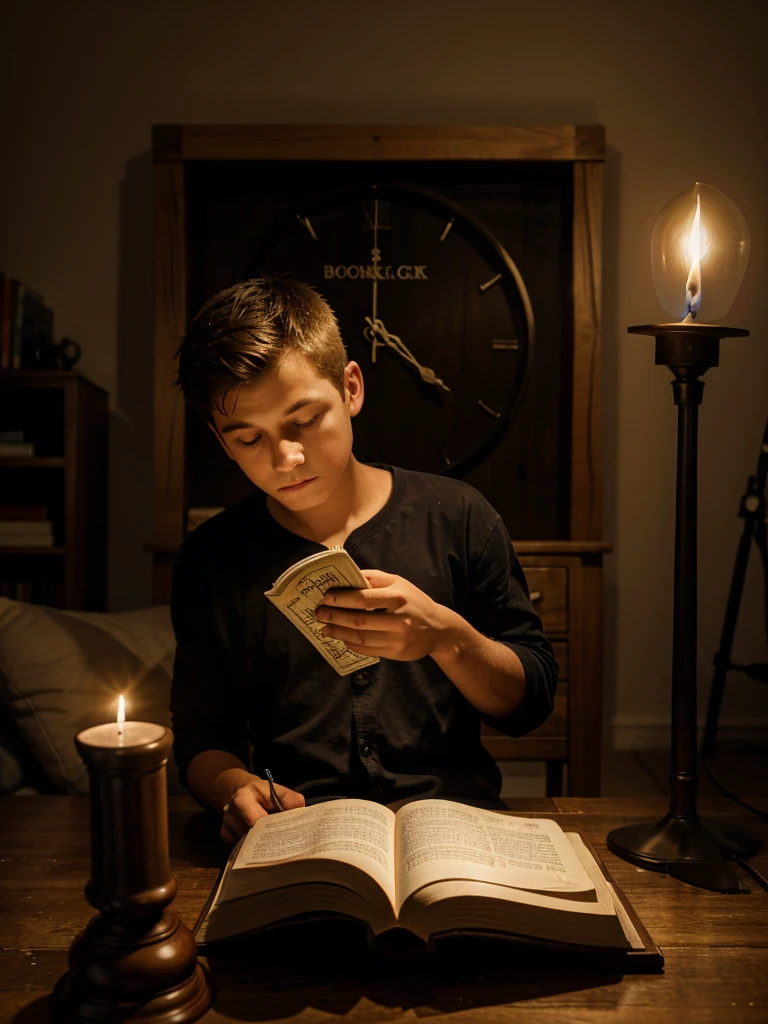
{"points": [[392, 619]]}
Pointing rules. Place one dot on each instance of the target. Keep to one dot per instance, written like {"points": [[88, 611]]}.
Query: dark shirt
{"points": [[396, 730]]}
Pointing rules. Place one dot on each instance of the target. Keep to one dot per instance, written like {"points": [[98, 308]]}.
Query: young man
{"points": [[458, 640]]}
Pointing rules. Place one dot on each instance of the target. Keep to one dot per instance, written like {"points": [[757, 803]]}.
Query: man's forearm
{"points": [[489, 674], [214, 776]]}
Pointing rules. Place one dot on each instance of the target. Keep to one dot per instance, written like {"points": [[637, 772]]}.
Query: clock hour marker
{"points": [[505, 345], [488, 409], [490, 284], [306, 223], [440, 448], [446, 230]]}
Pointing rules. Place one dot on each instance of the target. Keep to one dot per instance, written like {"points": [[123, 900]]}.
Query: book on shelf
{"points": [[27, 527], [26, 323], [25, 533], [25, 540], [23, 513], [434, 868], [301, 588], [17, 449]]}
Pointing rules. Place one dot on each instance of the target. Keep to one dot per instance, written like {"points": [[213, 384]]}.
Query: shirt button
{"points": [[365, 750]]}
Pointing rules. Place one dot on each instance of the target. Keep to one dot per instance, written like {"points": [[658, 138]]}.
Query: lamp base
{"points": [[696, 850]]}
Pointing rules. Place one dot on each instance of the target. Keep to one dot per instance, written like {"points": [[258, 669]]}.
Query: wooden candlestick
{"points": [[135, 959]]}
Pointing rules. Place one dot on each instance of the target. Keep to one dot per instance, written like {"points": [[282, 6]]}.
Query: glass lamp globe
{"points": [[699, 252]]}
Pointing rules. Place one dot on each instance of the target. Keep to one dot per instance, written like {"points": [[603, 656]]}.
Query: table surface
{"points": [[715, 946]]}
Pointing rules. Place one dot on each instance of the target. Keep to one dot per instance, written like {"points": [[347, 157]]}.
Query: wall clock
{"points": [[429, 303]]}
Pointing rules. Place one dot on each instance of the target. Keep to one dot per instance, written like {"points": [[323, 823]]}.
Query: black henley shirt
{"points": [[397, 730]]}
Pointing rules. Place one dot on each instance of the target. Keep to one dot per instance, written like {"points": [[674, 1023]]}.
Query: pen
{"points": [[277, 802]]}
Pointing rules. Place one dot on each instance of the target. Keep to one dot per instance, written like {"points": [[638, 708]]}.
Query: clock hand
{"points": [[375, 260], [377, 329], [427, 373]]}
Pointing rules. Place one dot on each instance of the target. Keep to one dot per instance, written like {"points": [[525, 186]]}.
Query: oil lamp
{"points": [[699, 252]]}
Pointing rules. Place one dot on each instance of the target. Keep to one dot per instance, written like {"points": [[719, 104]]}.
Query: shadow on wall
{"points": [[130, 487]]}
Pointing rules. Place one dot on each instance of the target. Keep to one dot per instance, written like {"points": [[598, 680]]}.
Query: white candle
{"points": [[134, 734]]}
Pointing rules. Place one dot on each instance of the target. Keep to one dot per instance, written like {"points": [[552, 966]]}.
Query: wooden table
{"points": [[716, 947]]}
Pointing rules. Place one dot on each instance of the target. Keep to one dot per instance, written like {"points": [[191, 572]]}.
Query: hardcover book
{"points": [[433, 868]]}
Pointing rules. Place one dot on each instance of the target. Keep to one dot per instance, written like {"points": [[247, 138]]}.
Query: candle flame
{"points": [[120, 715], [697, 250]]}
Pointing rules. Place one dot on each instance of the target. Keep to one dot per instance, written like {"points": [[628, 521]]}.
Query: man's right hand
{"points": [[221, 782], [249, 800]]}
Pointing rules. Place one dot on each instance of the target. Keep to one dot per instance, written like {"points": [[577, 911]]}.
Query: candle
{"points": [[117, 735], [120, 733], [135, 956]]}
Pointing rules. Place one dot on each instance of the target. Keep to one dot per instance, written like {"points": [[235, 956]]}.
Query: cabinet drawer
{"points": [[549, 595]]}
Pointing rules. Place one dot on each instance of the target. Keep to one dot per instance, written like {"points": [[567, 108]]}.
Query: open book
{"points": [[299, 591], [433, 867]]}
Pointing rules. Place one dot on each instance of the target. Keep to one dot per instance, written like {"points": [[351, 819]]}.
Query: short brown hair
{"points": [[244, 331]]}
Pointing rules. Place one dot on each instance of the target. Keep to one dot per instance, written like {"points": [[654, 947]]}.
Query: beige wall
{"points": [[680, 88]]}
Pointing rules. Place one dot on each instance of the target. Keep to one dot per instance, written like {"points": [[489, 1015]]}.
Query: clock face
{"points": [[429, 304]]}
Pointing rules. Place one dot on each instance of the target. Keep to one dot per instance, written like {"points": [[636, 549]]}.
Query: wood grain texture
{"points": [[527, 748], [170, 325], [552, 606], [585, 700], [378, 142], [586, 452], [715, 947], [562, 547]]}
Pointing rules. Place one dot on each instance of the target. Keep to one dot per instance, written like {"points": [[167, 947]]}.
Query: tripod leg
{"points": [[723, 655]]}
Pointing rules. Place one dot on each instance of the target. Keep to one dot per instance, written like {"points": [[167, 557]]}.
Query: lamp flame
{"points": [[696, 252], [120, 715]]}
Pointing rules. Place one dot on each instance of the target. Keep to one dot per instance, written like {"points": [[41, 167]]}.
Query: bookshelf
{"points": [[65, 416]]}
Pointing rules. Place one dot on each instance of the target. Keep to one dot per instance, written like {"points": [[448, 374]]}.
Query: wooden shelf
{"points": [[34, 462], [58, 412], [31, 549]]}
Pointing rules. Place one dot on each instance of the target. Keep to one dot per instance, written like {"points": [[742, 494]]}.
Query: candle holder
{"points": [[135, 959], [685, 845]]}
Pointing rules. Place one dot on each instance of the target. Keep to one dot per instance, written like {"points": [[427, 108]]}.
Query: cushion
{"points": [[63, 671]]}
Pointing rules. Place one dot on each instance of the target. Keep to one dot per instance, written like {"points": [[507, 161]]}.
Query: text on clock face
{"points": [[372, 272]]}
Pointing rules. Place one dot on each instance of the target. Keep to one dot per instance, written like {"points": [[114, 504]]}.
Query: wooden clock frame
{"points": [[565, 576]]}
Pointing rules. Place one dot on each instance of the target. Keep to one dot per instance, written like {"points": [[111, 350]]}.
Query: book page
{"points": [[601, 882], [302, 587], [352, 831], [439, 840]]}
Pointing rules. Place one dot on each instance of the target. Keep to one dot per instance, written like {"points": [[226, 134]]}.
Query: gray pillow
{"points": [[63, 671]]}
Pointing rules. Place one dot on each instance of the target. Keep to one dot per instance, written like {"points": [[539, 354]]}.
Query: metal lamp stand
{"points": [[683, 844]]}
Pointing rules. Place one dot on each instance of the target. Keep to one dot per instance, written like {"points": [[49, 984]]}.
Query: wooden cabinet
{"points": [[65, 417], [216, 185], [565, 581]]}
